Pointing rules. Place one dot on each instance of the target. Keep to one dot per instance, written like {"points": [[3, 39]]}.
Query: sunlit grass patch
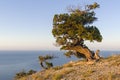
{"points": [[60, 74]]}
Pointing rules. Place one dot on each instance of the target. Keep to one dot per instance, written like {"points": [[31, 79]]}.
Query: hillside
{"points": [[104, 69]]}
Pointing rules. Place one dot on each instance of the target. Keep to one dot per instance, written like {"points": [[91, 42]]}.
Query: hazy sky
{"points": [[27, 24]]}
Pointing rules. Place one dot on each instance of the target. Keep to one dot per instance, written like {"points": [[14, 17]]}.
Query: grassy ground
{"points": [[104, 69]]}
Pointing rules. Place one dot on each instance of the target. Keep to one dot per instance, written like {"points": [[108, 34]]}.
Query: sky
{"points": [[27, 24]]}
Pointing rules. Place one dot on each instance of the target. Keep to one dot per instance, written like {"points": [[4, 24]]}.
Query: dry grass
{"points": [[61, 74], [68, 65], [88, 73], [57, 67], [105, 69]]}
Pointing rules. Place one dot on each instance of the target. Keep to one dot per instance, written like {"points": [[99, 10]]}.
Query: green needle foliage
{"points": [[73, 28], [44, 61]]}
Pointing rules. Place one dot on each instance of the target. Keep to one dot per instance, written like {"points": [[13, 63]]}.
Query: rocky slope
{"points": [[104, 69]]}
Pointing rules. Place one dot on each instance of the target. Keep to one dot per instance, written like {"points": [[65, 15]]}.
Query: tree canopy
{"points": [[76, 26]]}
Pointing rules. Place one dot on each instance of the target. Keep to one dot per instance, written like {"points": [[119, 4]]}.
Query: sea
{"points": [[12, 62]]}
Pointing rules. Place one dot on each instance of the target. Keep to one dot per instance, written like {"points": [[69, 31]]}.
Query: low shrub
{"points": [[23, 74]]}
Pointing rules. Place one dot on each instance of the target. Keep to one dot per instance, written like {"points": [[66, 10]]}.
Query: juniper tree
{"points": [[73, 28]]}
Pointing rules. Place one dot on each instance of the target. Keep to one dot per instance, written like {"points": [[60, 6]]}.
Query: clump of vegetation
{"points": [[23, 74], [44, 61], [30, 72]]}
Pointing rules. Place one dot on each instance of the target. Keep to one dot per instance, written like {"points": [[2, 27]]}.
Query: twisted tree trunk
{"points": [[85, 51]]}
